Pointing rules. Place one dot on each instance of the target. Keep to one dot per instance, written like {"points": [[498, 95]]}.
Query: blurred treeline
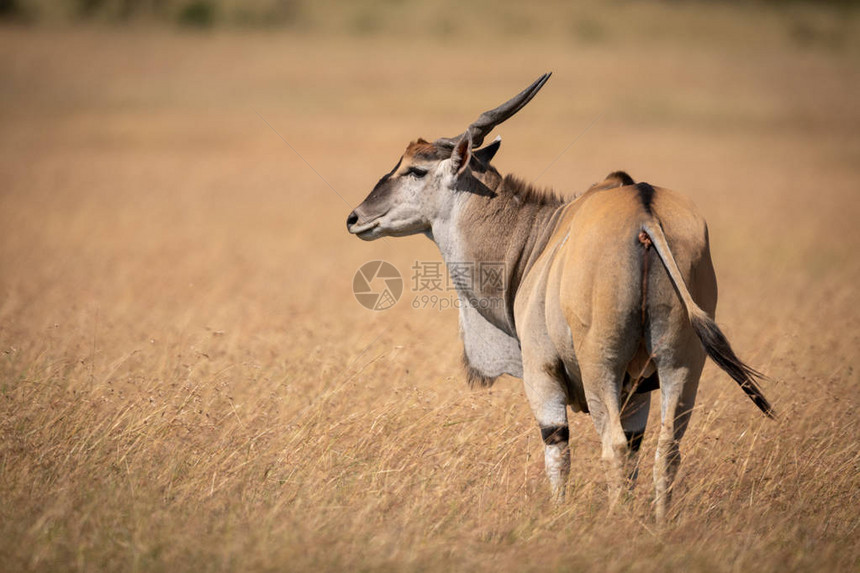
{"points": [[201, 13], [832, 24]]}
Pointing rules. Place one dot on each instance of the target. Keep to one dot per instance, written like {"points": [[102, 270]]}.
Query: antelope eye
{"points": [[416, 172]]}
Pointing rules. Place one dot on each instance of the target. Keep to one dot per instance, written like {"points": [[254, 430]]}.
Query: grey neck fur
{"points": [[501, 220]]}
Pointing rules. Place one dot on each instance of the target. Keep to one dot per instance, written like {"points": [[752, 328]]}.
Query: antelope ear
{"points": [[462, 154], [486, 154]]}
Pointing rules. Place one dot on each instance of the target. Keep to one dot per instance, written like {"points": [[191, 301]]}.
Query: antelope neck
{"points": [[490, 241]]}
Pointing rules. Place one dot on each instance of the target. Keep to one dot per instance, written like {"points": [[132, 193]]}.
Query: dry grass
{"points": [[188, 384]]}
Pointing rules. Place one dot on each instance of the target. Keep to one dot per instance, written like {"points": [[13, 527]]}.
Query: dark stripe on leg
{"points": [[634, 440], [555, 434]]}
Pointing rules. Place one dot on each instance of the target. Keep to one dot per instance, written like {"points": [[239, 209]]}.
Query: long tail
{"points": [[713, 339]]}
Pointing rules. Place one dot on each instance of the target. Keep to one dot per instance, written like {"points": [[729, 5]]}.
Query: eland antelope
{"points": [[605, 298]]}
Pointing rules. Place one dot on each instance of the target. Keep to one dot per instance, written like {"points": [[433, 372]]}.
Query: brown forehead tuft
{"points": [[421, 149]]}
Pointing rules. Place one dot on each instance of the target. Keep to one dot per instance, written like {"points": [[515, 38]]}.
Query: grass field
{"points": [[188, 383]]}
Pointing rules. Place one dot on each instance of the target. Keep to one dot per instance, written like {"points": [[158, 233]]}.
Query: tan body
{"points": [[582, 304], [604, 299]]}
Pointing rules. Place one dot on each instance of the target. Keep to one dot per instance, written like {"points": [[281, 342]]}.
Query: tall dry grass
{"points": [[188, 384]]}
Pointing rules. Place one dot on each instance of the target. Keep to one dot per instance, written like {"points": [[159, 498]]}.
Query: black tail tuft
{"points": [[718, 348]]}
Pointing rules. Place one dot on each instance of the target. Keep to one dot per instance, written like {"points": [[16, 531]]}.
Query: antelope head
{"points": [[423, 184]]}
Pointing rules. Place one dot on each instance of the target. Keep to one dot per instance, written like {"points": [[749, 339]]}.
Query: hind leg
{"points": [[602, 385], [634, 418], [678, 386]]}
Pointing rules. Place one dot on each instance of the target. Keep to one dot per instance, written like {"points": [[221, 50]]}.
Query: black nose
{"points": [[351, 220]]}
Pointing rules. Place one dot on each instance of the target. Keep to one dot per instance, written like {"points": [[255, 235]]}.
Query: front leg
{"points": [[556, 458], [548, 401]]}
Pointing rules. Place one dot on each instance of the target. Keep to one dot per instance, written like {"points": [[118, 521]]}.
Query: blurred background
{"points": [[187, 381]]}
